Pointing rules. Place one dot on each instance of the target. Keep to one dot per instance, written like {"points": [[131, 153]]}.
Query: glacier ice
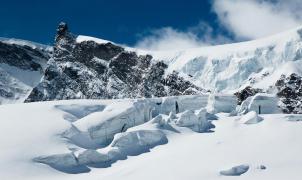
{"points": [[261, 103]]}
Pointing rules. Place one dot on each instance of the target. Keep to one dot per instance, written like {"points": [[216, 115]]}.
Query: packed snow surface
{"points": [[37, 142]]}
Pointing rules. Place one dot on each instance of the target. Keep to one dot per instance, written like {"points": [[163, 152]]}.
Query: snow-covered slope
{"points": [[259, 63], [227, 68], [22, 65], [167, 147]]}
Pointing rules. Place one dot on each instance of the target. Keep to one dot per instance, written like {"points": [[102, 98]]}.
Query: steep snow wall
{"points": [[228, 67]]}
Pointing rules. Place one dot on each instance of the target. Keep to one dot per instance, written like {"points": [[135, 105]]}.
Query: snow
{"points": [[21, 42], [27, 77], [82, 38], [251, 118], [227, 68], [221, 103], [34, 134], [184, 137], [196, 121], [261, 103], [18, 82]]}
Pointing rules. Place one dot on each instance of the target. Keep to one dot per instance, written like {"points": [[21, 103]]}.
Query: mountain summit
{"points": [[87, 69]]}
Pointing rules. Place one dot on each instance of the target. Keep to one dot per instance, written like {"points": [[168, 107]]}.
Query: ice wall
{"points": [[221, 103], [261, 103]]}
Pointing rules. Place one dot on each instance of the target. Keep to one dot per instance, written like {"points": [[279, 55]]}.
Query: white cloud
{"points": [[168, 38], [252, 19], [244, 19]]}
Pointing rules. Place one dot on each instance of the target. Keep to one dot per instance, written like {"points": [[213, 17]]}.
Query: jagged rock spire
{"points": [[63, 36], [64, 40], [62, 28]]}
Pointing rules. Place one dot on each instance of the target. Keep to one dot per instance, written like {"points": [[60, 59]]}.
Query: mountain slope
{"points": [[227, 68], [86, 69], [22, 65]]}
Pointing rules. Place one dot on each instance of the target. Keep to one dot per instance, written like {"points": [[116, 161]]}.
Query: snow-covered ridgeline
{"points": [[227, 68], [22, 65]]}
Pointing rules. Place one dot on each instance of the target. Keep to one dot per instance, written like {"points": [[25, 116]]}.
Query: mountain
{"points": [[232, 126], [22, 66], [87, 69], [232, 67]]}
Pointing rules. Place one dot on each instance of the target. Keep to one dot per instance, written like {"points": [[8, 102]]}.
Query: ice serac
{"points": [[91, 69], [261, 103], [22, 65]]}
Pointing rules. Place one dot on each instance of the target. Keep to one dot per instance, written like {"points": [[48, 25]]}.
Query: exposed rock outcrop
{"points": [[290, 93], [93, 70]]}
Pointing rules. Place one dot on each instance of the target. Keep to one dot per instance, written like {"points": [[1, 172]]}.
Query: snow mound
{"points": [[235, 171], [136, 142], [196, 121], [251, 118]]}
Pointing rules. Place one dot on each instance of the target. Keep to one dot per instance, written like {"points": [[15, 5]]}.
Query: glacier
{"points": [[67, 142]]}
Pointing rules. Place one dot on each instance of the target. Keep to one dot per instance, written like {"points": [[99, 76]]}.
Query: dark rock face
{"points": [[15, 59], [100, 71], [245, 93], [22, 57], [290, 93]]}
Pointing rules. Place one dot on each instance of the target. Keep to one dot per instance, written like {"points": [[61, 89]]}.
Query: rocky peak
{"points": [[64, 39], [62, 28], [93, 70]]}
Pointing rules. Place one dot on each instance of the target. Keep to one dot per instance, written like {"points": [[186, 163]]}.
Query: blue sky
{"points": [[155, 24], [118, 20]]}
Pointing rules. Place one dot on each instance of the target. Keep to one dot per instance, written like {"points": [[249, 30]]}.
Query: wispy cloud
{"points": [[250, 19], [168, 38], [244, 19]]}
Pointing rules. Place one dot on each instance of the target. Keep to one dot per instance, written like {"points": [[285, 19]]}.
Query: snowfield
{"points": [[147, 139]]}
